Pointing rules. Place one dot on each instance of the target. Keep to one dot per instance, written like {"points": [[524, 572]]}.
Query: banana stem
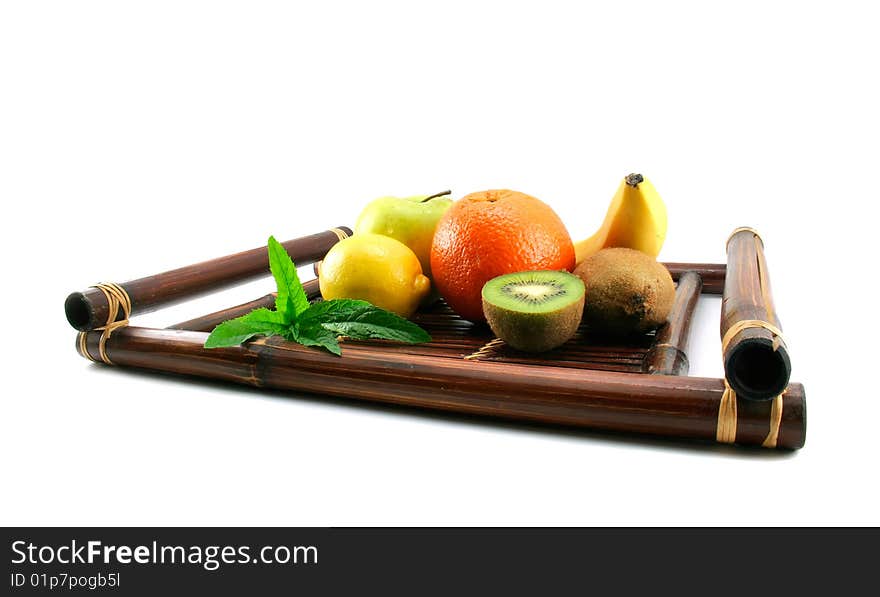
{"points": [[435, 195], [634, 180]]}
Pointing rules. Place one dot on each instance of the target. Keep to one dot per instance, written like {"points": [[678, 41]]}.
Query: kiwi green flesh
{"points": [[533, 292], [534, 311]]}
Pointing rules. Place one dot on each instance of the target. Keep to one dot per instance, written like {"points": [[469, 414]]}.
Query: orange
{"points": [[490, 233]]}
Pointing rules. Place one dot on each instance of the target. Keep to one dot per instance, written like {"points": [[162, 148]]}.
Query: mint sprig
{"points": [[312, 324], [291, 299]]}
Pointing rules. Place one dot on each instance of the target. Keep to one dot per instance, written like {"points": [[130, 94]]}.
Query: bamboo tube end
{"points": [[802, 438], [793, 428], [79, 312], [665, 359], [755, 370]]}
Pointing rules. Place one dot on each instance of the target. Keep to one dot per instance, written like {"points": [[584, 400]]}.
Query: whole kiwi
{"points": [[627, 291]]}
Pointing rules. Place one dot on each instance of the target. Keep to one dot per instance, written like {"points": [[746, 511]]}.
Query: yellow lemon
{"points": [[374, 268]]}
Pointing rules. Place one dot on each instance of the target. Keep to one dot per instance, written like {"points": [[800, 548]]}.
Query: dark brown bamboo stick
{"points": [[89, 309], [712, 274], [668, 356], [756, 361], [682, 407], [206, 323], [608, 362]]}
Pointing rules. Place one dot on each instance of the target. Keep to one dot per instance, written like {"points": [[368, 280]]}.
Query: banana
{"points": [[636, 219]]}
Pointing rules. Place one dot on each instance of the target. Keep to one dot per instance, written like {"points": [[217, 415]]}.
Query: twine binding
{"points": [[725, 431], [485, 350], [775, 423], [340, 233], [744, 324], [117, 298]]}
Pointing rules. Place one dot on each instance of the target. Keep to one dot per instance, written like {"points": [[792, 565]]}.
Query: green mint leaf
{"points": [[313, 334], [238, 330], [335, 310], [364, 330], [317, 324], [360, 320], [291, 299]]}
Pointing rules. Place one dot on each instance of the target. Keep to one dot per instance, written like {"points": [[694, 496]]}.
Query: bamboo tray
{"points": [[639, 385]]}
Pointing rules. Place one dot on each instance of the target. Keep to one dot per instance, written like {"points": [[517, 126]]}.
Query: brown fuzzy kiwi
{"points": [[627, 291]]}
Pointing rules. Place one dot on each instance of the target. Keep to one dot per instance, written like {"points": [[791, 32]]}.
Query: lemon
{"points": [[374, 268]]}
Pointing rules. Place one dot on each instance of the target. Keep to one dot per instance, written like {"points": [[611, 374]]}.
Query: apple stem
{"points": [[435, 195]]}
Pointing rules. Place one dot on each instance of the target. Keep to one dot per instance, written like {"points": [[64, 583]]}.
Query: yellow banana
{"points": [[636, 219]]}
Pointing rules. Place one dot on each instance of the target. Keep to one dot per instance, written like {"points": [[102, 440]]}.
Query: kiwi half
{"points": [[534, 311]]}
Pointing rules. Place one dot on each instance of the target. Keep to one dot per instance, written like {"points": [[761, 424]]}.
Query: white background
{"points": [[135, 138]]}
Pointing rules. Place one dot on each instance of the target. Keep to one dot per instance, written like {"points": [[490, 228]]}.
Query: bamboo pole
{"points": [[668, 355], [90, 308], [711, 274], [756, 361], [206, 323], [673, 406]]}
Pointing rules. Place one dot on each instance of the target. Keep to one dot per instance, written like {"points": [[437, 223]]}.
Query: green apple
{"points": [[411, 220]]}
